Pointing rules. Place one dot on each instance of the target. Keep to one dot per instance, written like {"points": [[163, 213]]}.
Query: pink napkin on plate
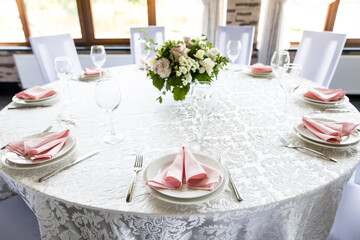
{"points": [[329, 131], [324, 94], [260, 68], [92, 71], [41, 148], [35, 93], [186, 169]]}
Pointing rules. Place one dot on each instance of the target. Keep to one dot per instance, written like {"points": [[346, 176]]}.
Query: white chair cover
{"points": [[243, 33], [155, 33], [47, 48], [319, 54], [17, 220]]}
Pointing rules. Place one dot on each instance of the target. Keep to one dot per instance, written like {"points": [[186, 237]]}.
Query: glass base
{"points": [[113, 139]]}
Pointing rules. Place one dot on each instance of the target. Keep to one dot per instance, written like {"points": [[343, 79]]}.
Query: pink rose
{"points": [[162, 67], [179, 51]]}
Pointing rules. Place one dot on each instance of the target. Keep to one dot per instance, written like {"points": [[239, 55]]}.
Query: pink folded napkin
{"points": [[324, 94], [92, 71], [35, 93], [329, 131], [41, 148], [186, 169], [260, 68]]}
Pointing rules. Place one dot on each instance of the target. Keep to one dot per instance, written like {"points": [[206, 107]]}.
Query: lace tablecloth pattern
{"points": [[287, 194]]}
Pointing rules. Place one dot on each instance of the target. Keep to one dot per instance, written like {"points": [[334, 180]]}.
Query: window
{"points": [[10, 23], [341, 16]]}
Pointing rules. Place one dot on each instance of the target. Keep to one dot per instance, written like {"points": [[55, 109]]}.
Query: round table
{"points": [[287, 194]]}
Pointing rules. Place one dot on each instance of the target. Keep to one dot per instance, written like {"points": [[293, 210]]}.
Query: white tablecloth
{"points": [[287, 194]]}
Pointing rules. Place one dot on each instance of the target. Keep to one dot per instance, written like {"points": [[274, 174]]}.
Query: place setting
{"points": [[94, 73], [325, 98], [39, 150], [185, 177], [259, 70], [34, 97]]}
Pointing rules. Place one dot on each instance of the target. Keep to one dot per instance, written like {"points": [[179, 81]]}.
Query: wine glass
{"points": [[233, 49], [278, 60], [143, 53], [108, 97], [203, 102], [98, 56], [291, 80], [65, 69]]}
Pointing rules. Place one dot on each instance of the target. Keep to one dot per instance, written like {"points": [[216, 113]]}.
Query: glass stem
{"points": [[112, 130], [68, 89], [286, 101]]}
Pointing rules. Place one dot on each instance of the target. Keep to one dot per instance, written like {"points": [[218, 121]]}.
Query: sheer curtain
{"points": [[272, 27], [214, 16]]}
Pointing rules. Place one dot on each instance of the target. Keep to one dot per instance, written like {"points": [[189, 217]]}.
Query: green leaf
{"points": [[180, 93], [159, 99], [174, 81], [203, 77], [158, 82]]}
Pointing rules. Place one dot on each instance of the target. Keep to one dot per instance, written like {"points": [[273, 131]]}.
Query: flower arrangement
{"points": [[179, 63]]}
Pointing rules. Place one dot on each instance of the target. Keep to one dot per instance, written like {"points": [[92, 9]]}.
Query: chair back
{"points": [[243, 33], [319, 54], [47, 48], [155, 33]]}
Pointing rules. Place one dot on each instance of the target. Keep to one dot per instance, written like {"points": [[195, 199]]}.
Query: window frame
{"points": [[86, 25], [330, 22]]}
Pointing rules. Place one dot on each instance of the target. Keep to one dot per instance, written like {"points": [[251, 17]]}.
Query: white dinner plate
{"points": [[14, 158], [259, 75], [345, 99], [11, 165], [16, 99], [350, 140], [183, 195]]}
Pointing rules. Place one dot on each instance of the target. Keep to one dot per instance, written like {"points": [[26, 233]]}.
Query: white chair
{"points": [[319, 54], [18, 222], [155, 33], [47, 48], [243, 33]]}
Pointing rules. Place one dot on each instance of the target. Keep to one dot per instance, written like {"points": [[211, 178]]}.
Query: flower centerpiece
{"points": [[179, 63]]}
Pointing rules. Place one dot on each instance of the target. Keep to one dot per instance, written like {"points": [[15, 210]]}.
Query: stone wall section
{"points": [[244, 13]]}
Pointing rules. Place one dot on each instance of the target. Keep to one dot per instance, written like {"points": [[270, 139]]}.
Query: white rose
{"points": [[162, 67], [200, 54], [213, 53], [202, 45], [152, 61], [179, 51], [208, 65]]}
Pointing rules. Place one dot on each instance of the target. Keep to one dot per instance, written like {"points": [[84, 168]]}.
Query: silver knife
{"points": [[236, 191], [67, 166], [24, 107]]}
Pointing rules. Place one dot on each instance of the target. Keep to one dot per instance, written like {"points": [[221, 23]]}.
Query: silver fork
{"points": [[137, 167], [289, 145]]}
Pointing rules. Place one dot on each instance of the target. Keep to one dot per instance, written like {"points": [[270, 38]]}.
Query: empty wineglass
{"points": [[278, 61], [65, 69], [290, 80], [233, 49], [143, 53], [98, 56], [108, 98], [203, 103]]}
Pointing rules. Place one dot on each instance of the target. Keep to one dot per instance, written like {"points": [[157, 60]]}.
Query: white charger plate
{"points": [[16, 159], [16, 99], [259, 75], [345, 99], [11, 165], [183, 195], [350, 140]]}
